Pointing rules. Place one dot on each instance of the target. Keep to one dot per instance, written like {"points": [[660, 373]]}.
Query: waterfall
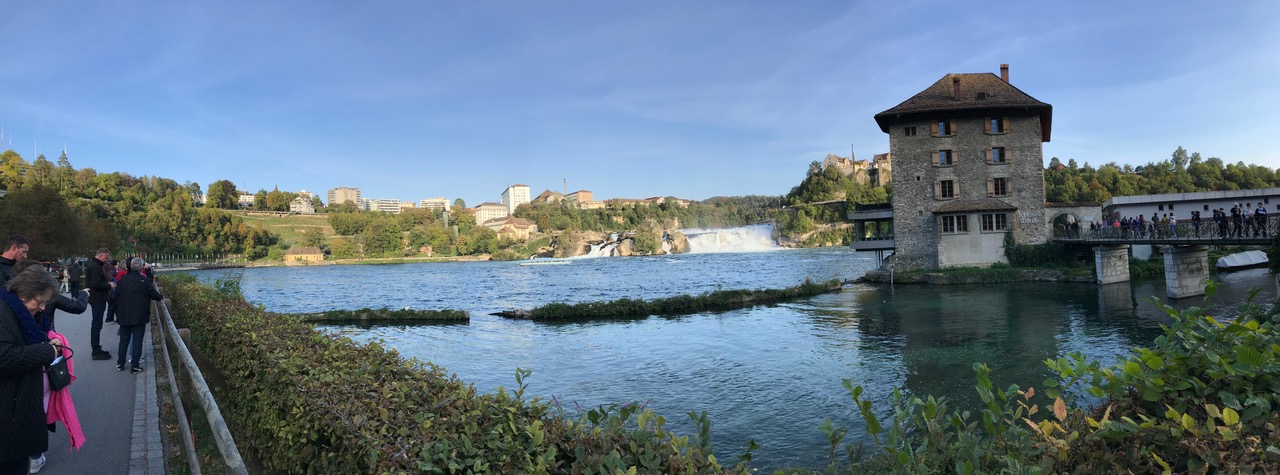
{"points": [[753, 238], [604, 249]]}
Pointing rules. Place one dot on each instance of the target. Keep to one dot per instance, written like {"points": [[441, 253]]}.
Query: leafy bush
{"points": [[1049, 254], [404, 315], [301, 401], [1202, 399]]}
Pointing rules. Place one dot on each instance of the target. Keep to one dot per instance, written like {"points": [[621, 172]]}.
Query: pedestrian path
{"points": [[118, 411]]}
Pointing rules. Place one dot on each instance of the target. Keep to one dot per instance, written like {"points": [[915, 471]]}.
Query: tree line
{"points": [[67, 212], [1182, 173]]}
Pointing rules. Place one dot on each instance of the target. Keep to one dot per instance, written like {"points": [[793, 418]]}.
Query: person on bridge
{"points": [[1173, 226], [1236, 221], [1260, 221], [134, 292]]}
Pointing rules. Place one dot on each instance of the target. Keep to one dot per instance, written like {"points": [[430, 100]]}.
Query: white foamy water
{"points": [[756, 238]]}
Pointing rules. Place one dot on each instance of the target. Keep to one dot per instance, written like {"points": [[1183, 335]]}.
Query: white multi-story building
{"points": [[301, 205], [245, 199], [386, 205], [343, 194], [438, 203], [306, 195], [513, 196], [489, 211]]}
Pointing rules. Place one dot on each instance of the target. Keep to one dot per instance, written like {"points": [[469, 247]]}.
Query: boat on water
{"points": [[545, 262], [1243, 260]]}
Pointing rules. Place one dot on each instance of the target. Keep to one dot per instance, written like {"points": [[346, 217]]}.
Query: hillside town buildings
{"points": [[490, 211], [438, 203], [301, 205], [969, 169], [344, 194]]}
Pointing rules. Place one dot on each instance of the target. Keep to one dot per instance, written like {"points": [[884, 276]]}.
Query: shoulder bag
{"points": [[59, 376]]}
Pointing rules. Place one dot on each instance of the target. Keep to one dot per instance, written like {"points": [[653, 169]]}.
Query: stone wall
{"points": [[915, 225]]}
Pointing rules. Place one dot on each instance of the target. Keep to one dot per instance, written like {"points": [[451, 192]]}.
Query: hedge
{"points": [[301, 401]]}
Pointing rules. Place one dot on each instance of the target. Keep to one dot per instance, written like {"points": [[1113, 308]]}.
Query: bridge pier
{"points": [[1111, 263], [1186, 270]]}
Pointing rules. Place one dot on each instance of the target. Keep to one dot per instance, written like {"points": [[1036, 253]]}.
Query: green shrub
{"points": [[1202, 399], [383, 315], [301, 401], [1049, 254]]}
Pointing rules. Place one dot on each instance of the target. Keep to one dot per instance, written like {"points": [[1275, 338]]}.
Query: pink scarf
{"points": [[60, 406]]}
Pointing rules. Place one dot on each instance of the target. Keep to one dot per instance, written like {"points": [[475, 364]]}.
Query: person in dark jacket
{"points": [[25, 350], [99, 289], [134, 293], [76, 305], [15, 249], [114, 273], [74, 271]]}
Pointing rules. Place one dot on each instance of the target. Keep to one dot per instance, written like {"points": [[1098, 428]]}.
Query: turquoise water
{"points": [[772, 373]]}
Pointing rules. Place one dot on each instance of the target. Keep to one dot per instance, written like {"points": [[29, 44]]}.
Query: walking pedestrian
{"points": [[99, 290], [133, 295]]}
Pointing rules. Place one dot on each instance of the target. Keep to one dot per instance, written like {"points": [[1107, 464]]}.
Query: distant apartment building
{"points": [[244, 199], [406, 205], [513, 196], [301, 205], [580, 196], [385, 205], [304, 194], [343, 194], [512, 226], [438, 203], [490, 211]]}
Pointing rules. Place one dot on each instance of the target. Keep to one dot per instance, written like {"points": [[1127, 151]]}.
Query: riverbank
{"points": [[681, 304]]}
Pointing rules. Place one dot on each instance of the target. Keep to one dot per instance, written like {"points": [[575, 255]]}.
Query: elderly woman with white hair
{"points": [[134, 293]]}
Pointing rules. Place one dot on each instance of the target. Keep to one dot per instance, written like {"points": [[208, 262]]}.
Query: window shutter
{"points": [[936, 157], [1008, 155], [937, 190], [1008, 186], [1005, 120], [955, 189], [986, 125], [933, 128], [991, 186], [989, 159], [953, 127]]}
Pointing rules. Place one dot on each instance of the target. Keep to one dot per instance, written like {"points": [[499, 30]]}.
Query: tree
{"points": [[40, 214], [260, 200], [313, 237], [222, 194], [11, 168], [381, 238], [458, 203]]}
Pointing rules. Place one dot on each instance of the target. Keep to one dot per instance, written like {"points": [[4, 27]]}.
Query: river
{"points": [[770, 373]]}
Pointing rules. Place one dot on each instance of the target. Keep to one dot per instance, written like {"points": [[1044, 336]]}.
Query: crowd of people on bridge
{"points": [[30, 343], [1241, 221]]}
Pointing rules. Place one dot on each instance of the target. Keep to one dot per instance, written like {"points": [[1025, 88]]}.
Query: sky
{"points": [[417, 99]]}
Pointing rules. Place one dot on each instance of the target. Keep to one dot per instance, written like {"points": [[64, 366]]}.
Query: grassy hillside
{"points": [[289, 227]]}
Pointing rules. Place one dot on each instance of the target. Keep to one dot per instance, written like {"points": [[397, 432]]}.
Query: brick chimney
{"points": [[1004, 72], [955, 87]]}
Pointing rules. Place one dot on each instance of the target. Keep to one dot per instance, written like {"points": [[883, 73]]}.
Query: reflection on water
{"points": [[771, 373]]}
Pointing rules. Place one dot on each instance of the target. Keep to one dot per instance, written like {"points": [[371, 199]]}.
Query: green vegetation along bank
{"points": [[682, 304], [307, 402]]}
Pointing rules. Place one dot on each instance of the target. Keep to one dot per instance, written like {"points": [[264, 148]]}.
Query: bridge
{"points": [[1186, 255]]}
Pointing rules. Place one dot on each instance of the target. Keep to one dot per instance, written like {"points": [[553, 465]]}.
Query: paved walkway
{"points": [[118, 410]]}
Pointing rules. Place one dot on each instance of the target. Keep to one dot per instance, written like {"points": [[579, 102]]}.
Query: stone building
{"points": [[969, 169]]}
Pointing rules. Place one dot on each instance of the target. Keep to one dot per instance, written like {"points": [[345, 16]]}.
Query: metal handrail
{"points": [[221, 434]]}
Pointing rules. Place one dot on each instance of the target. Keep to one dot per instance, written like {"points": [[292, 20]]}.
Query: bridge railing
{"points": [[1227, 231]]}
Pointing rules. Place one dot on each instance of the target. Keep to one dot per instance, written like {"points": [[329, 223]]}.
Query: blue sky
{"points": [[411, 100]]}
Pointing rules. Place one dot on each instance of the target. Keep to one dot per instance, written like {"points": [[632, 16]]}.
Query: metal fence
{"points": [[1207, 231]]}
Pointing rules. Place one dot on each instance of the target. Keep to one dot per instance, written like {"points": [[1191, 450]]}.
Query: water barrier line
{"points": [[222, 435]]}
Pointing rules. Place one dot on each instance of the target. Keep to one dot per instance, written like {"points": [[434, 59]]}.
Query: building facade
{"points": [[438, 203], [343, 194], [1180, 205], [513, 196], [490, 211], [969, 169], [385, 205], [301, 205]]}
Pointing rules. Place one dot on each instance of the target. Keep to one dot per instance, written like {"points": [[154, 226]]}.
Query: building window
{"points": [[954, 224], [909, 131], [1206, 207], [943, 128], [1161, 207], [1170, 207], [998, 186], [996, 125], [997, 156], [995, 222], [946, 190], [944, 158]]}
